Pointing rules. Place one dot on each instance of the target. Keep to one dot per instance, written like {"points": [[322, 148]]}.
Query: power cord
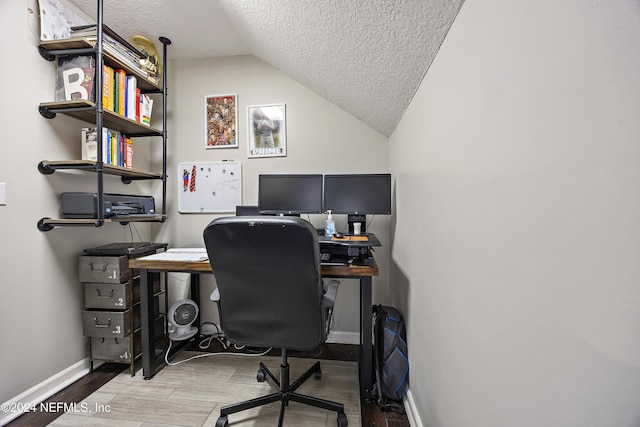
{"points": [[206, 343]]}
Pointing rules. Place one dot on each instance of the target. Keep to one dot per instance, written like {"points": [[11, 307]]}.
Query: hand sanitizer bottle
{"points": [[329, 226]]}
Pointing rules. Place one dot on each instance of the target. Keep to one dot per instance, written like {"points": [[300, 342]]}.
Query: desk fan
{"points": [[182, 314]]}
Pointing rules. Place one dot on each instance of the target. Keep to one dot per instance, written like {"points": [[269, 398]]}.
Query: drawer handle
{"points": [[103, 268], [105, 296], [98, 325]]}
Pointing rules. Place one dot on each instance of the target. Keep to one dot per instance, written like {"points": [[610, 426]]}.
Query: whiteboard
{"points": [[209, 187]]}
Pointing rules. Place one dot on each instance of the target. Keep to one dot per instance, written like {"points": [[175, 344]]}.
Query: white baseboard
{"points": [[338, 337], [44, 390], [412, 413]]}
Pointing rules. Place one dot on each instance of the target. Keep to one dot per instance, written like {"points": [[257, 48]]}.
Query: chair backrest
{"points": [[268, 272]]}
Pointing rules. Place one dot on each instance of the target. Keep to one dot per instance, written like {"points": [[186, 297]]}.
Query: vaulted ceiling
{"points": [[366, 56]]}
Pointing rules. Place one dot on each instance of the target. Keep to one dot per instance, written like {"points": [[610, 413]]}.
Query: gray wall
{"points": [[41, 299], [516, 237], [321, 138]]}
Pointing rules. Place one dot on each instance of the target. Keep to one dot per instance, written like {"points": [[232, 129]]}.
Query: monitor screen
{"points": [[362, 194], [290, 194]]}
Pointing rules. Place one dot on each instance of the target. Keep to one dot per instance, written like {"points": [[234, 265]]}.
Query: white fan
{"points": [[182, 314]]}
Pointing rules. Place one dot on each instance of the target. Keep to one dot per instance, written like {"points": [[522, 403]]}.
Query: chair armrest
{"points": [[215, 295], [329, 297]]}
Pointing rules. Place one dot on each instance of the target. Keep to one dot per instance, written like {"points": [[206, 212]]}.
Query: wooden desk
{"points": [[152, 362]]}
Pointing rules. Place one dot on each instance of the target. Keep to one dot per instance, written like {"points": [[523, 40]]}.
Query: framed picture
{"points": [[267, 130], [221, 115]]}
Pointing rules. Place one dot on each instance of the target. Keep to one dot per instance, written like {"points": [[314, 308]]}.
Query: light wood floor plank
{"points": [[191, 394]]}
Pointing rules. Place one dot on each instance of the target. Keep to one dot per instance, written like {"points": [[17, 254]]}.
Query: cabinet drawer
{"points": [[119, 349], [115, 324], [112, 296], [115, 349], [103, 269]]}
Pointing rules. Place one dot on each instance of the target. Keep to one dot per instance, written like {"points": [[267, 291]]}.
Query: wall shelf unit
{"points": [[47, 167], [95, 113], [86, 111]]}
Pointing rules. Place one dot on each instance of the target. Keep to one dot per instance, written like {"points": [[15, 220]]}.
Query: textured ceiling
{"points": [[366, 56]]}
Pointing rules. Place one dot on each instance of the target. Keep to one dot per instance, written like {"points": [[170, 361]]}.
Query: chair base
{"points": [[286, 392]]}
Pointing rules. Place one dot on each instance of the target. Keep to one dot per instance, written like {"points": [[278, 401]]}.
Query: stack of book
{"points": [[117, 149], [114, 45]]}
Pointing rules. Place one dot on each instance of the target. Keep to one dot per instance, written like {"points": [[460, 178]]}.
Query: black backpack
{"points": [[390, 357]]}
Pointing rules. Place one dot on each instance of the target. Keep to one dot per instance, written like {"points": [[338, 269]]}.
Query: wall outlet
{"points": [[3, 194]]}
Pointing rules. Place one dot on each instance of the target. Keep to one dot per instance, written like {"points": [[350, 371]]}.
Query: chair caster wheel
{"points": [[317, 374], [261, 376], [223, 421], [342, 420]]}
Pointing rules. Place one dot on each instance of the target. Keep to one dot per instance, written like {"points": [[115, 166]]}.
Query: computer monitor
{"points": [[247, 210], [290, 194], [358, 195]]}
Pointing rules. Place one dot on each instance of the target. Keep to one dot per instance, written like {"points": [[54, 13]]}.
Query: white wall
{"points": [[516, 237], [321, 138]]}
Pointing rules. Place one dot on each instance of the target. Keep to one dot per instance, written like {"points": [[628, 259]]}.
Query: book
{"points": [[112, 90], [75, 77], [130, 98], [106, 147], [113, 159], [106, 85], [106, 142], [146, 106], [129, 154], [121, 84], [89, 144], [121, 149], [137, 101]]}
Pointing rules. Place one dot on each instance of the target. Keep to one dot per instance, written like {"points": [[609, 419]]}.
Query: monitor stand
{"points": [[362, 219]]}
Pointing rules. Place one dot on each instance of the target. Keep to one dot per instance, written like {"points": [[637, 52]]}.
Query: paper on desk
{"points": [[180, 254]]}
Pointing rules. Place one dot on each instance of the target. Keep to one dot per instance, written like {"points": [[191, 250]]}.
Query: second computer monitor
{"points": [[358, 195], [290, 194]]}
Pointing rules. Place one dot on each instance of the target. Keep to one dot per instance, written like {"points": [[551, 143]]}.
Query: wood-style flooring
{"points": [[191, 394]]}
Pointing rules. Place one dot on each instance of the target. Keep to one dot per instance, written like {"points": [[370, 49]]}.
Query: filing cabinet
{"points": [[104, 269], [111, 317]]}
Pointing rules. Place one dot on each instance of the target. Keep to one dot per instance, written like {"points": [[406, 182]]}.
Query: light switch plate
{"points": [[3, 194]]}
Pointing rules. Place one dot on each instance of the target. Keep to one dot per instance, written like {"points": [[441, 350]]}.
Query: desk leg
{"points": [[366, 346], [195, 293], [146, 330]]}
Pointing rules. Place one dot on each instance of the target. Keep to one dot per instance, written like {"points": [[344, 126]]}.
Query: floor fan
{"points": [[182, 314]]}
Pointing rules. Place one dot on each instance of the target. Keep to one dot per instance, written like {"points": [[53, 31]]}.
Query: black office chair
{"points": [[271, 295]]}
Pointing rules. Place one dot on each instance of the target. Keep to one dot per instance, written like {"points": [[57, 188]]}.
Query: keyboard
{"points": [[328, 258]]}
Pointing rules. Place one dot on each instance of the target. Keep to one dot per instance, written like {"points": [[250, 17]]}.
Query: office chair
{"points": [[268, 274]]}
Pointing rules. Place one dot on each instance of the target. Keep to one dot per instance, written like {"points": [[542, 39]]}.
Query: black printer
{"points": [[85, 205]]}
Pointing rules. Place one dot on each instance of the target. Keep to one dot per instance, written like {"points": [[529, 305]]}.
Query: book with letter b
{"points": [[75, 77]]}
